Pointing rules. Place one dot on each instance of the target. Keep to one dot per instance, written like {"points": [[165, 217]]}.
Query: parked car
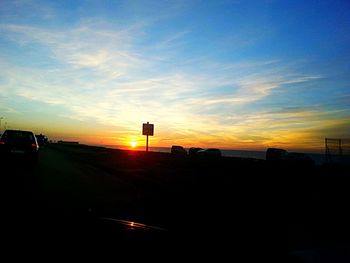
{"points": [[21, 144], [193, 151], [275, 154], [211, 152], [178, 150]]}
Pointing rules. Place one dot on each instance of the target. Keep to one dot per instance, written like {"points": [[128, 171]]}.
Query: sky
{"points": [[225, 74]]}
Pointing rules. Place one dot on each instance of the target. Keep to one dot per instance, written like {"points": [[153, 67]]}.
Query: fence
{"points": [[337, 150]]}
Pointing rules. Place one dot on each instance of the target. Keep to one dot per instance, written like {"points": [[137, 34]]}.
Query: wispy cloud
{"points": [[171, 41], [81, 47]]}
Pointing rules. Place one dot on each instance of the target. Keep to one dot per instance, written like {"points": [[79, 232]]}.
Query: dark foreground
{"points": [[76, 198]]}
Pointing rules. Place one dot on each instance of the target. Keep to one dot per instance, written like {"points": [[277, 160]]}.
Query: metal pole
{"points": [[325, 150], [0, 122], [147, 144], [147, 139]]}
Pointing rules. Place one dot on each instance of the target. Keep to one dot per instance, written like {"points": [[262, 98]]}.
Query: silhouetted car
{"points": [[211, 152], [275, 154], [19, 144], [193, 151], [178, 150]]}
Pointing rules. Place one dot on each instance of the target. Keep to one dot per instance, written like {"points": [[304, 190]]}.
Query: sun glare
{"points": [[133, 144]]}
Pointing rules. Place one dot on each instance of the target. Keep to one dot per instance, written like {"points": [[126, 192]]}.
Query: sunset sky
{"points": [[226, 74]]}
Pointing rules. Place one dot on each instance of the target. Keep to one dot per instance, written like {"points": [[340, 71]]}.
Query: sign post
{"points": [[147, 143], [148, 130]]}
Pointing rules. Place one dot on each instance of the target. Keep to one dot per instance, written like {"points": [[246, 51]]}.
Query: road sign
{"points": [[148, 129]]}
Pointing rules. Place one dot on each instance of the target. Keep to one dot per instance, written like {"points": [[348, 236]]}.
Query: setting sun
{"points": [[133, 144]]}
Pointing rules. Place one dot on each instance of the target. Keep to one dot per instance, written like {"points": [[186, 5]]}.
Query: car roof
{"points": [[12, 131], [275, 150]]}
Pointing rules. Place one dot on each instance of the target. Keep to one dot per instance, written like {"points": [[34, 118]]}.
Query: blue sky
{"points": [[234, 74]]}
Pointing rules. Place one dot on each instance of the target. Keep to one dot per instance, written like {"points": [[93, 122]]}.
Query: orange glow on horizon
{"points": [[258, 139]]}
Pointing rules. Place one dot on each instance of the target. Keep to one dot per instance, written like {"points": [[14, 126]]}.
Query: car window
{"points": [[18, 136]]}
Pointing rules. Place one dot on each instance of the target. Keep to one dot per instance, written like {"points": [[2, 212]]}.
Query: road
{"points": [[162, 191], [61, 184], [184, 196]]}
